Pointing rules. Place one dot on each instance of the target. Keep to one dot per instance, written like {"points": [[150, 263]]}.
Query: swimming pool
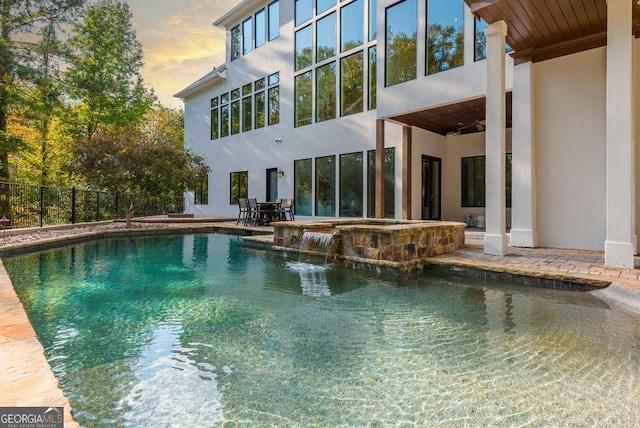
{"points": [[197, 331]]}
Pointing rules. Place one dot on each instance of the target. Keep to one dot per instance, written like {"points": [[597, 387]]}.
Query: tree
{"points": [[22, 59], [105, 69], [137, 167]]}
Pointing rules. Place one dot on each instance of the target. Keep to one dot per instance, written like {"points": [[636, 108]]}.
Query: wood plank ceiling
{"points": [[543, 29]]}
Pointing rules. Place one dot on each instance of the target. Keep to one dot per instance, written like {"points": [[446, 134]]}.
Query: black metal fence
{"points": [[32, 206]]}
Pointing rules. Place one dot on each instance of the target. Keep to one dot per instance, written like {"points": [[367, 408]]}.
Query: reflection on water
{"points": [[199, 332], [313, 278]]}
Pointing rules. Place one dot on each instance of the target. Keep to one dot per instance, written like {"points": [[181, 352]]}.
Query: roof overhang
{"points": [[236, 13], [214, 76], [457, 118], [538, 30]]}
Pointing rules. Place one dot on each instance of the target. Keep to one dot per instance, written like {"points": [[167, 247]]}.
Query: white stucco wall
{"points": [[570, 148]]}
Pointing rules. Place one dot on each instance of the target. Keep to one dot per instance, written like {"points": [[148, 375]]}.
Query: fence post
{"points": [[116, 214], [97, 205], [73, 205], [41, 205]]}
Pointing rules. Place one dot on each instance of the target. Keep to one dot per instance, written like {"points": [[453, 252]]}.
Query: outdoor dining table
{"points": [[268, 211]]}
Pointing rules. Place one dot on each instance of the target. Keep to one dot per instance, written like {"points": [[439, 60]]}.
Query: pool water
{"points": [[197, 331]]}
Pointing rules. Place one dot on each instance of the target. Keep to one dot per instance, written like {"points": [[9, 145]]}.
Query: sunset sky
{"points": [[179, 41]]}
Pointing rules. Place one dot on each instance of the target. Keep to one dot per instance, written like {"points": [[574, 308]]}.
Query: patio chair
{"points": [[286, 209], [253, 217], [243, 214]]}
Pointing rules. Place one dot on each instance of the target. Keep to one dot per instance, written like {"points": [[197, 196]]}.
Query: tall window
{"points": [[274, 98], [373, 77], [215, 120], [389, 183], [326, 186], [302, 184], [235, 42], [247, 36], [261, 28], [247, 114], [274, 20], [224, 115], [260, 106], [351, 185], [235, 111], [351, 84], [352, 25], [401, 43], [201, 190], [326, 92], [445, 35], [473, 181], [304, 100], [238, 186], [326, 37]]}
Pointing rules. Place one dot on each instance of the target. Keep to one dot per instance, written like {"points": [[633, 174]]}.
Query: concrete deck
{"points": [[26, 378]]}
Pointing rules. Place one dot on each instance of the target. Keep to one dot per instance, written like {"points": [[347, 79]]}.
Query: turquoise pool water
{"points": [[197, 331]]}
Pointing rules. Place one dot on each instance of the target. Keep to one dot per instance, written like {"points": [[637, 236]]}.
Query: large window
{"points": [[326, 92], [247, 114], [261, 28], [247, 36], [235, 117], [274, 20], [215, 119], [351, 84], [373, 77], [238, 186], [389, 183], [274, 100], [326, 37], [201, 190], [304, 100], [445, 35], [259, 103], [326, 186], [401, 43], [323, 5], [303, 48], [224, 119], [473, 181], [302, 184], [373, 19], [235, 42], [351, 185], [352, 25]]}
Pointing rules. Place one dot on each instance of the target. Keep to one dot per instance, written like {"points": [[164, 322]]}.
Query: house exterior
{"points": [[521, 115]]}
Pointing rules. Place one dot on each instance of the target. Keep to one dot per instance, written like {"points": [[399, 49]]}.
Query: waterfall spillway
{"points": [[316, 241]]}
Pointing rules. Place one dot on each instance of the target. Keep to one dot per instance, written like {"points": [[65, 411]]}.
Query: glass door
{"points": [[272, 184], [431, 188]]}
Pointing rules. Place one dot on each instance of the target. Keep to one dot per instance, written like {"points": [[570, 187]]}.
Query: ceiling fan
{"points": [[478, 123]]}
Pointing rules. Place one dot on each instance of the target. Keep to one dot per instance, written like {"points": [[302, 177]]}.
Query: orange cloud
{"points": [[179, 41]]}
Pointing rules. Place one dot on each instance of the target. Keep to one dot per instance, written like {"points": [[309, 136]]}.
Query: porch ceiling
{"points": [[543, 29], [448, 118]]}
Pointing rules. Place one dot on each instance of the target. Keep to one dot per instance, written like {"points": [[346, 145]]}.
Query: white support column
{"points": [[619, 247], [523, 178], [495, 239]]}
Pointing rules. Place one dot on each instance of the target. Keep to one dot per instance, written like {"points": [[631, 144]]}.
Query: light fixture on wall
{"points": [[280, 173], [278, 140]]}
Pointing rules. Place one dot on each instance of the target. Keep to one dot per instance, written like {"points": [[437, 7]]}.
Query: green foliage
{"points": [[127, 160], [105, 69], [29, 58]]}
